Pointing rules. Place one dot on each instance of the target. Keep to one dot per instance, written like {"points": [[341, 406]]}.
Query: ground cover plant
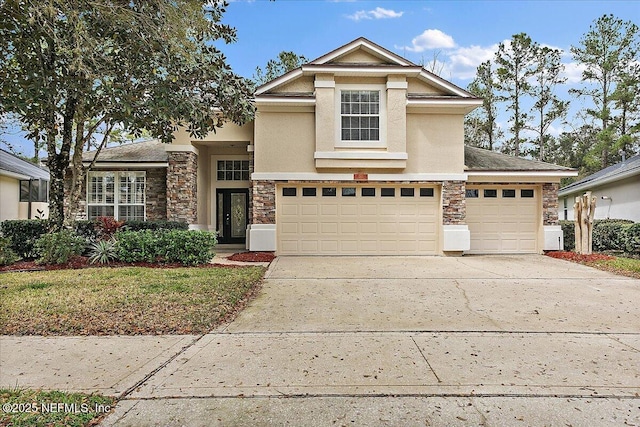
{"points": [[125, 300], [617, 265], [52, 408]]}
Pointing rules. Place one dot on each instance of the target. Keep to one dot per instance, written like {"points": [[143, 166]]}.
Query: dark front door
{"points": [[233, 212]]}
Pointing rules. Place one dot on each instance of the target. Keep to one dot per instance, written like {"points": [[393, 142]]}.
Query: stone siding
{"points": [[182, 180], [550, 203], [263, 207], [454, 204]]}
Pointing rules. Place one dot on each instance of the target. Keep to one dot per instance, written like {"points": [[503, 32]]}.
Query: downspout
{"points": [[29, 202]]}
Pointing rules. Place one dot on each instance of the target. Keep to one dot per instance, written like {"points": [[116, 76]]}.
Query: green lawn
{"points": [[623, 266], [52, 408], [129, 300]]}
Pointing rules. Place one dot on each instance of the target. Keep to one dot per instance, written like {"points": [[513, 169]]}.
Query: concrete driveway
{"points": [[483, 340]]}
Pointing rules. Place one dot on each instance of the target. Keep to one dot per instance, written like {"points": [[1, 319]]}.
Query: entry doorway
{"points": [[232, 214]]}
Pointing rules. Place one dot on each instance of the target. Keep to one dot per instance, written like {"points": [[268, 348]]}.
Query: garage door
{"points": [[357, 220], [503, 219]]}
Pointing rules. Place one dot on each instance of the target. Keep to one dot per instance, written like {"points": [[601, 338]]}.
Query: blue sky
{"points": [[461, 33]]}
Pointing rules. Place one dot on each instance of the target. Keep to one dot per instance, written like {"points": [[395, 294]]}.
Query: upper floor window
{"points": [[361, 116]]}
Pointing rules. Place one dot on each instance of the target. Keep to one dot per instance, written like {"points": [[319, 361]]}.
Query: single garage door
{"points": [[503, 219], [357, 220]]}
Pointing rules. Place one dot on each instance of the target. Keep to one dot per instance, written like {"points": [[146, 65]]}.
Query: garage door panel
{"points": [[503, 224], [357, 225]]}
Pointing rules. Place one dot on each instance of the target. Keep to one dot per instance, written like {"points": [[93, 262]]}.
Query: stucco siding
{"points": [[9, 198], [435, 143], [624, 203], [418, 86], [286, 142], [229, 132], [302, 84]]}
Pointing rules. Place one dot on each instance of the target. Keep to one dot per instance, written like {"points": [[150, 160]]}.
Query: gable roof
{"points": [[136, 152], [15, 167], [481, 160], [619, 171], [392, 63]]}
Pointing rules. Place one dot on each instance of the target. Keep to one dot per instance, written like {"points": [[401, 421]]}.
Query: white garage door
{"points": [[357, 220], [503, 219]]}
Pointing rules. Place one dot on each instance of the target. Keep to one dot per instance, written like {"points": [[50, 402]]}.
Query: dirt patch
{"points": [[252, 257]]}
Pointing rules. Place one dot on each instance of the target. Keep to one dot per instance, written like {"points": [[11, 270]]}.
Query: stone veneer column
{"points": [[454, 206], [550, 203], [182, 180], [263, 209], [456, 237]]}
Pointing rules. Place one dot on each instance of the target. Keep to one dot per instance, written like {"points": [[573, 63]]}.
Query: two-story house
{"points": [[357, 152]]}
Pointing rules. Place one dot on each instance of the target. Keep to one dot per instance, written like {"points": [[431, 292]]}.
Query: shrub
{"points": [[102, 251], [181, 246], [156, 225], [107, 226], [86, 229], [189, 247], [23, 234], [632, 238], [608, 235], [59, 247], [7, 254], [569, 232], [137, 246]]}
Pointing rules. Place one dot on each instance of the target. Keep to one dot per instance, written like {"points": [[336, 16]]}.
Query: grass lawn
{"points": [[129, 300], [52, 408], [623, 266]]}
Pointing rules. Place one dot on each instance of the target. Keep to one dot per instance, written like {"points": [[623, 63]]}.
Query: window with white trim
{"points": [[361, 115], [117, 194]]}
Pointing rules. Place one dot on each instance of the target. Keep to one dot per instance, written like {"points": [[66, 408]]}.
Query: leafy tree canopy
{"points": [[285, 62], [70, 69]]}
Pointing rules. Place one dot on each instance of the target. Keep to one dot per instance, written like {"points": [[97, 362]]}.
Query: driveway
{"points": [[481, 340]]}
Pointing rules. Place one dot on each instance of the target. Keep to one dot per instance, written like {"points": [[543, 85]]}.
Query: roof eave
{"points": [[597, 182]]}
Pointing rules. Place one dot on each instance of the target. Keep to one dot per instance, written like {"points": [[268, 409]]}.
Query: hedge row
{"points": [[23, 234], [608, 235], [181, 246]]}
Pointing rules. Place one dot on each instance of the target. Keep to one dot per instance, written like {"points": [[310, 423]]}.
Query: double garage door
{"points": [[357, 220], [503, 219]]}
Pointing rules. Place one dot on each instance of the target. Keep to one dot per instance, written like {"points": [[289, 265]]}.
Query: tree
{"points": [[286, 62], [608, 49], [547, 107], [627, 102], [515, 61], [74, 69], [481, 129]]}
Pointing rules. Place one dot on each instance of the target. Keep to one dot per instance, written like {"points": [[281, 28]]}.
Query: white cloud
{"points": [[573, 72], [465, 60], [431, 39], [377, 13]]}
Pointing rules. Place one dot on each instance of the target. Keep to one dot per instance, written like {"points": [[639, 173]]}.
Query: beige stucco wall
{"points": [[435, 143], [301, 84], [418, 86], [358, 57], [286, 142], [229, 132], [625, 200], [9, 198]]}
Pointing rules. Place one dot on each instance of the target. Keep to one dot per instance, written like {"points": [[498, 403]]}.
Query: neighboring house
{"points": [[24, 189], [616, 188], [357, 152]]}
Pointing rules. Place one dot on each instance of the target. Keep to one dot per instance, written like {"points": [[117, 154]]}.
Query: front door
{"points": [[233, 212]]}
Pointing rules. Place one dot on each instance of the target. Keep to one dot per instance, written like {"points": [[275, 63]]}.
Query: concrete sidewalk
{"points": [[522, 340]]}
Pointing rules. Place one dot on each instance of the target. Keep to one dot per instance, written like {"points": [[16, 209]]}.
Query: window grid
{"points": [[233, 170], [117, 194], [360, 115]]}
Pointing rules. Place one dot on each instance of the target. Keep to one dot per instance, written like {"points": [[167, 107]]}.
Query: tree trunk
{"points": [[577, 213]]}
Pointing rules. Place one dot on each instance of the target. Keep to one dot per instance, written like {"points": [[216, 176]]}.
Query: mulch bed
{"points": [[581, 258], [79, 262], [252, 257]]}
